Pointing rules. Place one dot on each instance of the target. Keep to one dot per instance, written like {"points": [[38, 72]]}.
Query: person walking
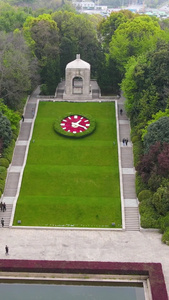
{"points": [[33, 112], [2, 222], [121, 112], [23, 118], [1, 206], [6, 250], [127, 141], [4, 207], [124, 141]]}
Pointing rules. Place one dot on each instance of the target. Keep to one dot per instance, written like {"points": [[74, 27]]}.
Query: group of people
{"points": [[3, 206], [125, 141]]}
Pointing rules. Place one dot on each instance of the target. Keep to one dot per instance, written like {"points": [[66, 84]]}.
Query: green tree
{"points": [[42, 34], [157, 132], [108, 26], [11, 17], [12, 116], [146, 84], [135, 37], [15, 69], [81, 36], [5, 131]]}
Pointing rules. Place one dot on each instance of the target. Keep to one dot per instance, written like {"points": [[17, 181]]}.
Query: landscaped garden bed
{"points": [[71, 182], [153, 271]]}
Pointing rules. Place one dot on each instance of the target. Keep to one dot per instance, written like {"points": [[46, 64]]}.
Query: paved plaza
{"points": [[130, 245]]}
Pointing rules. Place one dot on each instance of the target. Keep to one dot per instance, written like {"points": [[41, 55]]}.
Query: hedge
{"points": [[140, 185], [2, 185], [8, 152], [165, 237], [164, 223], [4, 162], [152, 270], [149, 216], [3, 172]]}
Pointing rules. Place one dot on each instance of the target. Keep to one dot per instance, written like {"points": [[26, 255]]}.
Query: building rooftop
{"points": [[78, 64]]}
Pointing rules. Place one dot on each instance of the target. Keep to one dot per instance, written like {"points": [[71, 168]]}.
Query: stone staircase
{"points": [[6, 215], [17, 164], [131, 211], [131, 218]]}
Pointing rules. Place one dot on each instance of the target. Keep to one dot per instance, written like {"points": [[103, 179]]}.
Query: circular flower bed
{"points": [[74, 125]]}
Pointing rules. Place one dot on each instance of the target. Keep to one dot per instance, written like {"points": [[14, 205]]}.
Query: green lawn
{"points": [[71, 182]]}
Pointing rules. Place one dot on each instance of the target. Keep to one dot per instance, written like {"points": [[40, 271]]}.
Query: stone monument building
{"points": [[78, 84], [77, 80]]}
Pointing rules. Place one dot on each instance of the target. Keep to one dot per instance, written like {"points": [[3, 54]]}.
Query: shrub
{"points": [[144, 195], [137, 151], [157, 131], [149, 216], [161, 200], [164, 223], [135, 138], [3, 172], [2, 185], [155, 181], [4, 162], [8, 152], [165, 237], [140, 185]]}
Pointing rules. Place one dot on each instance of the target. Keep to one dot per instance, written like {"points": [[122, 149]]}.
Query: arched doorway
{"points": [[77, 85]]}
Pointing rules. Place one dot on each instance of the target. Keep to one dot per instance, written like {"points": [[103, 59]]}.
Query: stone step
{"points": [[25, 131], [19, 155], [132, 221], [6, 215]]}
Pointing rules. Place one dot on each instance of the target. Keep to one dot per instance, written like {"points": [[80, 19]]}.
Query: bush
{"points": [[144, 195], [8, 152], [2, 185], [137, 151], [165, 237], [149, 216], [157, 131], [43, 89], [3, 172], [161, 200], [135, 138], [155, 181], [4, 162], [164, 223], [140, 185]]}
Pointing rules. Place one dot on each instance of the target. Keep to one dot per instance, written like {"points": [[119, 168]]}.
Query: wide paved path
{"points": [[83, 245]]}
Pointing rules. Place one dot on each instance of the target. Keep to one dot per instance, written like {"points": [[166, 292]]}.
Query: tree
{"points": [[146, 84], [12, 116], [42, 34], [11, 17], [15, 69], [135, 37], [108, 26], [154, 165], [5, 131], [157, 132], [79, 33]]}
